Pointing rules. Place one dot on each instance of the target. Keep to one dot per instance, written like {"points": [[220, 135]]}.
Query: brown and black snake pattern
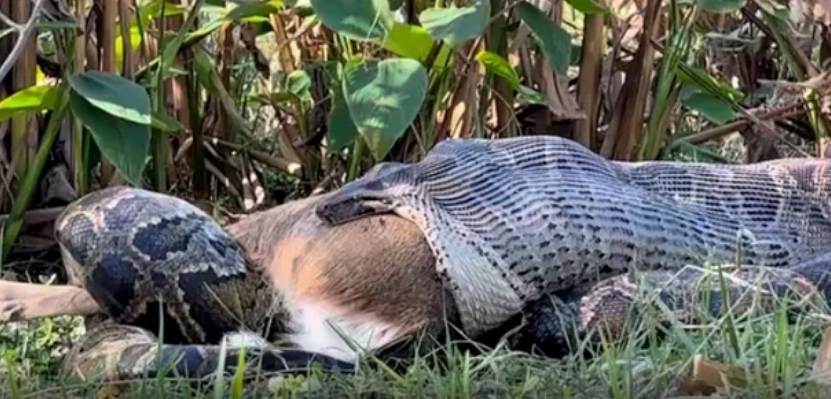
{"points": [[153, 260], [136, 251]]}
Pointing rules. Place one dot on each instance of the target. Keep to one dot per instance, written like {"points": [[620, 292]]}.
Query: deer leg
{"points": [[26, 301]]}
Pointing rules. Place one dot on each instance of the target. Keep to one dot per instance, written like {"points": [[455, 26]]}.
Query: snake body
{"points": [[510, 220], [153, 260]]}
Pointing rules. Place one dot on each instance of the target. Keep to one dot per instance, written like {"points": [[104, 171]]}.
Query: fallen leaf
{"points": [[708, 377]]}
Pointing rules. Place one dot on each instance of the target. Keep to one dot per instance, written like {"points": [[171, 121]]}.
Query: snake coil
{"points": [[154, 262]]}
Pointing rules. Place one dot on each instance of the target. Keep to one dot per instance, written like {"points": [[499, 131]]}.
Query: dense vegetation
{"points": [[238, 105]]}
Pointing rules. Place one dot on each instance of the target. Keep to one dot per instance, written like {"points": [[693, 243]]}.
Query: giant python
{"points": [[480, 232]]}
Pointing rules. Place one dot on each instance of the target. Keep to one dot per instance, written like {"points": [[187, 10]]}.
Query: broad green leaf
{"points": [[721, 6], [342, 131], [34, 98], [716, 110], [113, 94], [552, 38], [588, 6], [124, 143], [410, 41], [500, 66], [384, 98], [360, 20], [456, 25]]}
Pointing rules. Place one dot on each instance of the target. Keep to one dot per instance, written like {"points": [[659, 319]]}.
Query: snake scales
{"points": [[512, 219], [509, 221], [150, 259]]}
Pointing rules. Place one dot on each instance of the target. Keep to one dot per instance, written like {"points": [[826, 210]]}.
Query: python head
{"points": [[377, 192], [135, 251]]}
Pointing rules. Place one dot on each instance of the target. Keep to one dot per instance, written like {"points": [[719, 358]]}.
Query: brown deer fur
{"points": [[379, 268]]}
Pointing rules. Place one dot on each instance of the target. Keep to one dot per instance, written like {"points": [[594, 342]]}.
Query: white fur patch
{"points": [[332, 333], [246, 339]]}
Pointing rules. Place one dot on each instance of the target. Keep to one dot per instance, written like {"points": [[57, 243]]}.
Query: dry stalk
{"points": [[24, 32]]}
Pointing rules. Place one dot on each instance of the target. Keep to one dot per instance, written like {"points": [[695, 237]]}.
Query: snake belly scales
{"points": [[509, 221]]}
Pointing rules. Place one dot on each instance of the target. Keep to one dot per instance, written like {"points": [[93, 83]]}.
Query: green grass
{"points": [[776, 356]]}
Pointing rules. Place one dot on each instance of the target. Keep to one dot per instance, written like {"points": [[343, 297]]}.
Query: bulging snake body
{"points": [[512, 219], [509, 221]]}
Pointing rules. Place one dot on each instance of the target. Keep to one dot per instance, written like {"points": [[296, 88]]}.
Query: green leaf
{"points": [[699, 78], [299, 83], [208, 77], [283, 97], [531, 95], [410, 41], [360, 20], [147, 11], [588, 6], [123, 142], [456, 25], [135, 44], [299, 5], [113, 94], [34, 98], [253, 9], [721, 6], [342, 130], [730, 37], [256, 8], [500, 66], [165, 122], [153, 9], [716, 110], [553, 39], [779, 12], [384, 98], [5, 32]]}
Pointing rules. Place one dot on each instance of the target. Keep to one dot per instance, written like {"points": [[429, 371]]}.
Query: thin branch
{"points": [[8, 21], [723, 130], [36, 216], [24, 34]]}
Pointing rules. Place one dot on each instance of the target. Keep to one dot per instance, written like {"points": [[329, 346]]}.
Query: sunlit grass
{"points": [[774, 355]]}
